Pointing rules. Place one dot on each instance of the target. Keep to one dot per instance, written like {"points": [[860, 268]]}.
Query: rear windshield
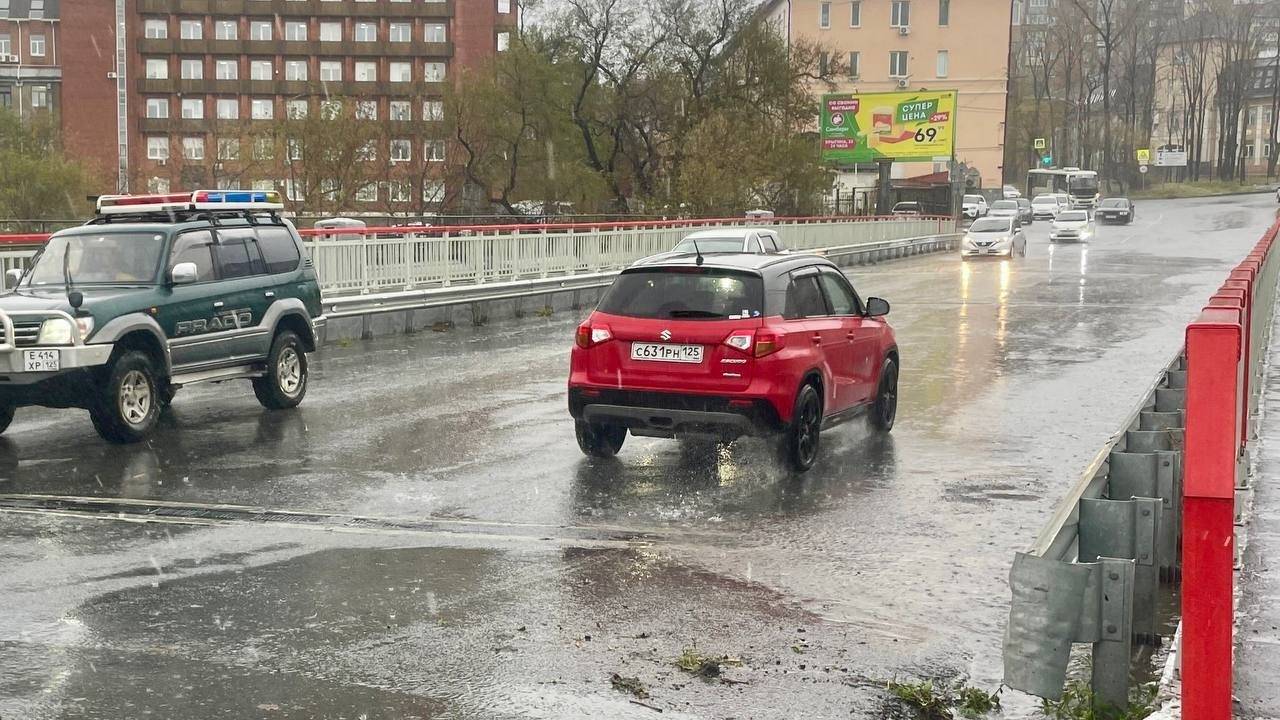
{"points": [[1073, 216], [685, 293], [710, 245], [1045, 200], [990, 225], [1004, 205], [907, 206], [1113, 202], [973, 198]]}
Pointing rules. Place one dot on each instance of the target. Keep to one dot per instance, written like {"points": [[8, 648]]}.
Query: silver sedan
{"points": [[1000, 236]]}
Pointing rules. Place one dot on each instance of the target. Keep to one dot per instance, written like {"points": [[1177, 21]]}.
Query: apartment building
{"points": [[894, 45], [186, 95], [30, 74]]}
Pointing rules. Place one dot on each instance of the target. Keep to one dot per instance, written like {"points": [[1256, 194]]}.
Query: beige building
{"points": [[893, 45]]}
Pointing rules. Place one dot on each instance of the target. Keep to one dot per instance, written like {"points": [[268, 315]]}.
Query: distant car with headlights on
{"points": [[908, 208], [973, 206], [1071, 226], [1045, 206], [1001, 236], [1119, 210]]}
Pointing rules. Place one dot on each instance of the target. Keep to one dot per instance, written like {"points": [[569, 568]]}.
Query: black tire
{"points": [[166, 396], [885, 409], [6, 416], [285, 383], [599, 440], [128, 402], [801, 443]]}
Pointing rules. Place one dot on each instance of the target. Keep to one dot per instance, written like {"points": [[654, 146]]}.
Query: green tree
{"points": [[37, 180]]}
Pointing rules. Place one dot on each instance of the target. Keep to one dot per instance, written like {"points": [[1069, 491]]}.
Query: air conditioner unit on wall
{"points": [[904, 30], [903, 82], [10, 58], [162, 162]]}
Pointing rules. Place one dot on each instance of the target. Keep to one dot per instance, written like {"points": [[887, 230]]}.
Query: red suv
{"points": [[725, 345]]}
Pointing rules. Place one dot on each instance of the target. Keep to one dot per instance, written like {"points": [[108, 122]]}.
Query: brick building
{"points": [[190, 91], [30, 74]]}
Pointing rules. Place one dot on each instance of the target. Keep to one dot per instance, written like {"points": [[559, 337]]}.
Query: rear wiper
{"points": [[694, 314]]}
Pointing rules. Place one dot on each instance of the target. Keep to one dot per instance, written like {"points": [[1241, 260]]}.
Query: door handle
{"points": [[218, 304], [817, 339], [852, 335], [270, 293]]}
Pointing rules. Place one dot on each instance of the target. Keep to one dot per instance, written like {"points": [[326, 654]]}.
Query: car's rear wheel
{"points": [[285, 383], [128, 405], [599, 439], [802, 439], [6, 416], [885, 410]]}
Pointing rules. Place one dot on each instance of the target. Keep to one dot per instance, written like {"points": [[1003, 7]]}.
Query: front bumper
{"points": [[71, 357], [655, 414], [1072, 237]]}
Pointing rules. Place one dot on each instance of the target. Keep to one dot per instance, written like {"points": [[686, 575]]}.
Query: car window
{"points": [[1004, 205], [804, 298], [839, 294], [685, 293], [195, 247], [770, 243], [1073, 216], [1044, 199], [237, 253], [279, 251], [753, 245], [972, 198], [990, 224]]}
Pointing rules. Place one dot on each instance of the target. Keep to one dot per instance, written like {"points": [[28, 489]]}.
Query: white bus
{"points": [[1080, 185]]}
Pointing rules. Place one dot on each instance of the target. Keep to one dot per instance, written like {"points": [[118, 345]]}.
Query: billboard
{"points": [[866, 127]]}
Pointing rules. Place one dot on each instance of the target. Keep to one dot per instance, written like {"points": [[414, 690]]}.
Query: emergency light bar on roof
{"points": [[198, 200]]}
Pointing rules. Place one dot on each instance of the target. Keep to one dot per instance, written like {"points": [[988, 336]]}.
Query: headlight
{"points": [[54, 331]]}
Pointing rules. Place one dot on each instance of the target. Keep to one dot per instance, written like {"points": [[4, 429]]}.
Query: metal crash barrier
{"points": [[1156, 506]]}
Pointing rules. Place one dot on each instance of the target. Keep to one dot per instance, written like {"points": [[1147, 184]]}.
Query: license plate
{"points": [[661, 352], [41, 360]]}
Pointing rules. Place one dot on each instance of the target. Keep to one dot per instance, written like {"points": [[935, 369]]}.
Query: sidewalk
{"points": [[1257, 664]]}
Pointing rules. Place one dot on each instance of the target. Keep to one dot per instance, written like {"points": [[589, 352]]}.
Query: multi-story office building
{"points": [[895, 45], [191, 91], [30, 74]]}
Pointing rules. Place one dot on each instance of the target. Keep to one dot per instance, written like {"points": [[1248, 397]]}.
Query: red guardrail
{"points": [[23, 240], [1221, 345]]}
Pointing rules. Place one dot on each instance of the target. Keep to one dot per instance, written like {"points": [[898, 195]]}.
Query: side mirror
{"points": [[877, 307], [11, 278], [184, 273]]}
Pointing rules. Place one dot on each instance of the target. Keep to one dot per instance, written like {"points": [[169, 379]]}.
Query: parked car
{"points": [[1004, 208], [994, 236], [1071, 226], [1025, 212], [1045, 206], [730, 240], [1116, 210], [908, 208], [747, 344], [973, 206], [1011, 192]]}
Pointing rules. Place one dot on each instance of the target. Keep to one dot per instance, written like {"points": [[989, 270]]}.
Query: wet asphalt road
{"points": [[453, 555]]}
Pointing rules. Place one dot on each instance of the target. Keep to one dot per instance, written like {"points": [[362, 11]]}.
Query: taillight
{"points": [[767, 343], [740, 341], [589, 336]]}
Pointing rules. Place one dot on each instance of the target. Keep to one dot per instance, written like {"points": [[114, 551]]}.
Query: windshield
{"points": [[685, 293], [1113, 203], [129, 258], [906, 206], [990, 225], [711, 245], [1085, 183], [1004, 205], [1073, 216]]}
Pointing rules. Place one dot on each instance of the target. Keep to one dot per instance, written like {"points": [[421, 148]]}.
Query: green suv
{"points": [[157, 292]]}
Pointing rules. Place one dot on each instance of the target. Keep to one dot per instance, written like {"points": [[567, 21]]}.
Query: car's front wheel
{"points": [[128, 404], [285, 383], [802, 439], [599, 439]]}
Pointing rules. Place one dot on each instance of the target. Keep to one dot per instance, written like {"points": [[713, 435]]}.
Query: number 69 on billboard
{"points": [[867, 127]]}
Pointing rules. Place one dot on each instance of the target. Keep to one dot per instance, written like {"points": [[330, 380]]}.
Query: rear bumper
{"points": [[672, 414]]}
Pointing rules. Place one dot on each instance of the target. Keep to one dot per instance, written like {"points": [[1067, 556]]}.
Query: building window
{"points": [[855, 13], [6, 44], [297, 109], [262, 108], [399, 191], [367, 193], [824, 62], [330, 32], [39, 96], [37, 46], [434, 150], [192, 69], [193, 108], [434, 32], [152, 28], [226, 30], [158, 108], [366, 71], [293, 191], [432, 191], [330, 109], [400, 32], [193, 148], [944, 63], [898, 63], [900, 15], [504, 41], [944, 12], [1248, 151], [367, 152], [260, 30], [294, 146], [157, 148], [228, 108], [226, 69], [400, 110], [264, 148], [400, 72], [367, 110], [157, 69], [190, 29], [37, 10], [263, 185], [854, 64], [295, 31], [433, 110], [330, 71], [261, 70], [401, 151], [295, 70], [158, 186], [228, 148], [504, 6], [824, 15], [366, 32], [434, 72]]}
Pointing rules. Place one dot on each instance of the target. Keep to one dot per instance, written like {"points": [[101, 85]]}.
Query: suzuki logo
{"points": [[665, 334]]}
